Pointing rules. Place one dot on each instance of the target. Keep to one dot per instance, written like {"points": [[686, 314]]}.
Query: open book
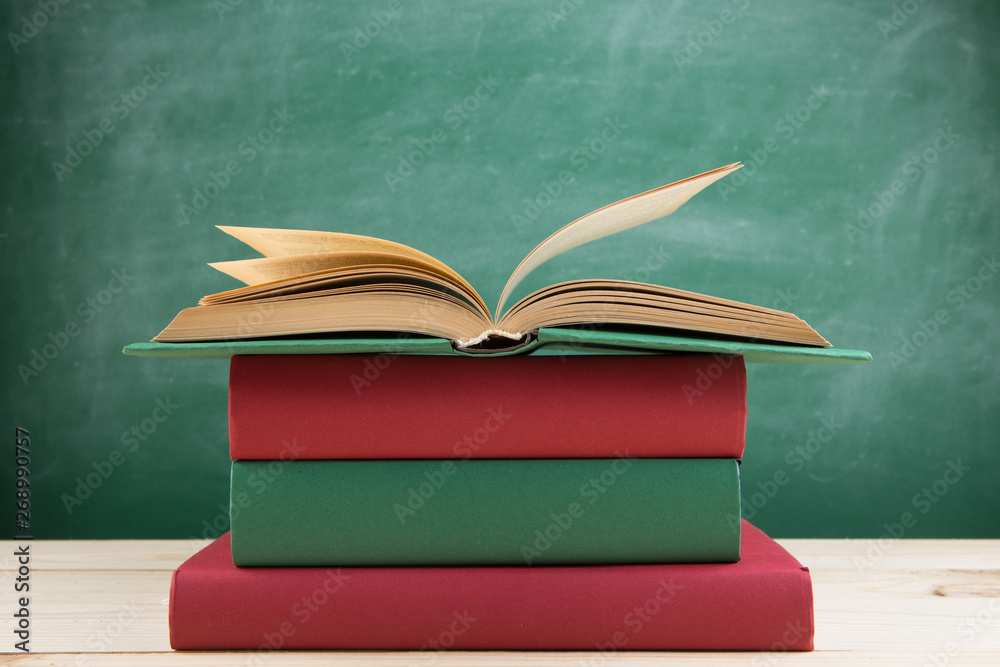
{"points": [[311, 282]]}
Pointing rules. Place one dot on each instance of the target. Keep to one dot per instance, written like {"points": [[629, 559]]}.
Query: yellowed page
{"points": [[283, 242], [614, 218], [269, 269], [386, 277], [399, 310]]}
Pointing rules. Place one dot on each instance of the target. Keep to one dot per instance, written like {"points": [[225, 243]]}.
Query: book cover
{"points": [[560, 341], [764, 602], [485, 511], [376, 407]]}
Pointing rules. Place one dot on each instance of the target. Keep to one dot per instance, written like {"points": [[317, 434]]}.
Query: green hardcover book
{"points": [[553, 341], [485, 512]]}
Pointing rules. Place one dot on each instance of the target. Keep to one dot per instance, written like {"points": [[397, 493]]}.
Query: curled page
{"points": [[613, 218], [284, 242], [269, 269]]}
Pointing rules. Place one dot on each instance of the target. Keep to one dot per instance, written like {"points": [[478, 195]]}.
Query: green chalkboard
{"points": [[868, 206]]}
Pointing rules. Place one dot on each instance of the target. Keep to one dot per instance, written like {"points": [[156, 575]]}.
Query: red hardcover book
{"points": [[764, 602], [378, 407]]}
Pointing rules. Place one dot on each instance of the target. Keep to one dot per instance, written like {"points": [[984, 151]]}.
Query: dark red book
{"points": [[764, 602], [379, 407]]}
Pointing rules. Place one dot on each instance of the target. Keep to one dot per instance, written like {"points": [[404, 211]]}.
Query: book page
{"points": [[384, 277], [399, 309], [620, 303], [283, 242], [614, 218], [270, 269]]}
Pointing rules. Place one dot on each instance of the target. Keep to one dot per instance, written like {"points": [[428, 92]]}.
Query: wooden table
{"points": [[905, 602]]}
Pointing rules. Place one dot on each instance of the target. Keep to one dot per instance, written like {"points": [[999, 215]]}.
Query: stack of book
{"points": [[585, 502], [578, 488]]}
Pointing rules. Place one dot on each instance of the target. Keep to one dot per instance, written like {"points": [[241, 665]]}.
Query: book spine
{"points": [[384, 407], [763, 605], [485, 512]]}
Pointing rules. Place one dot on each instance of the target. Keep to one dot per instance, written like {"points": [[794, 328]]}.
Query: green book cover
{"points": [[549, 341], [485, 512]]}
